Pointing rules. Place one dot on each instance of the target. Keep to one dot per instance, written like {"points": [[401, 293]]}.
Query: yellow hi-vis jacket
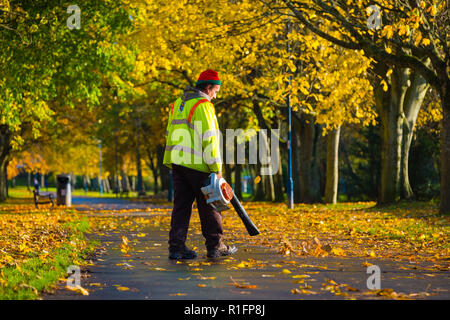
{"points": [[193, 136]]}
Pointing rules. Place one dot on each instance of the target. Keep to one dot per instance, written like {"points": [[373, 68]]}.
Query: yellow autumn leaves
{"points": [[26, 232], [347, 229], [342, 230]]}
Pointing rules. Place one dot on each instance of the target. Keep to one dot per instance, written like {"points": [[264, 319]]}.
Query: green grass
{"points": [[22, 192], [31, 278], [346, 206], [27, 279]]}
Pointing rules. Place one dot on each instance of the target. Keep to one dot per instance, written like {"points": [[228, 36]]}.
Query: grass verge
{"points": [[37, 246]]}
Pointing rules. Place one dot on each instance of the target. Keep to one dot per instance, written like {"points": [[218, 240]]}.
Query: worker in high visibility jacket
{"points": [[193, 152]]}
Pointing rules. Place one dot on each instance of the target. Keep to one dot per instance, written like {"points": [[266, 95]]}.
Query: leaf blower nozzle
{"points": [[219, 194]]}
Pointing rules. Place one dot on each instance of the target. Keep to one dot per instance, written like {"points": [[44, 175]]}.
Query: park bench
{"points": [[42, 198]]}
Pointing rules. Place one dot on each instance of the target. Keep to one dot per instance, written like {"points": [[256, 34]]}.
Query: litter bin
{"points": [[63, 190]]}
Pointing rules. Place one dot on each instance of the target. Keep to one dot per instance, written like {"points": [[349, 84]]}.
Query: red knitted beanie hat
{"points": [[209, 76]]}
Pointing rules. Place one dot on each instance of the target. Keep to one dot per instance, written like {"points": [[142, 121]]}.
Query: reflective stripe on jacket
{"points": [[193, 136]]}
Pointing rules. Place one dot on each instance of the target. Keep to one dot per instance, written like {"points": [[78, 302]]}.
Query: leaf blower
{"points": [[219, 194]]}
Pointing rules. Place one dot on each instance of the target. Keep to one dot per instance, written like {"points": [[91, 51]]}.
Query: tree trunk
{"points": [[85, 183], [278, 177], [5, 148], [153, 168], [155, 182], [238, 180], [5, 171], [309, 170], [133, 183], [227, 172], [296, 159], [73, 181], [398, 108], [264, 153], [140, 180], [278, 181], [390, 104], [259, 187], [413, 101], [226, 167], [269, 187], [106, 185], [445, 153], [332, 174], [3, 192], [125, 182], [237, 171]]}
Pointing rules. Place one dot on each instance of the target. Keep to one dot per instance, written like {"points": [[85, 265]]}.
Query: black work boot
{"points": [[222, 251], [184, 253]]}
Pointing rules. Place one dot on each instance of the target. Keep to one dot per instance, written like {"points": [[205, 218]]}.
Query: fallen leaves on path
{"points": [[121, 288], [242, 286], [346, 229], [78, 289]]}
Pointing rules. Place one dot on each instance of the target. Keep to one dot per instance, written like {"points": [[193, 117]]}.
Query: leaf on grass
{"points": [[338, 251]]}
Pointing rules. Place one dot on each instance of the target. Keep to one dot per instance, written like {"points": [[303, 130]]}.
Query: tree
{"points": [[413, 37], [43, 77]]}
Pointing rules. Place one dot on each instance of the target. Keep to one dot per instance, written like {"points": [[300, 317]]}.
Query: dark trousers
{"points": [[187, 183]]}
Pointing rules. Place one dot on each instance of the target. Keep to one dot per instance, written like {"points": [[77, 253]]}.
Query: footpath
{"points": [[132, 263]]}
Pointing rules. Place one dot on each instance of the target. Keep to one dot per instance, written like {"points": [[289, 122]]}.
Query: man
{"points": [[193, 153]]}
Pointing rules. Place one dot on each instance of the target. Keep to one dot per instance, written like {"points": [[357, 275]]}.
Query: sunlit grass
{"points": [[23, 192], [37, 245]]}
